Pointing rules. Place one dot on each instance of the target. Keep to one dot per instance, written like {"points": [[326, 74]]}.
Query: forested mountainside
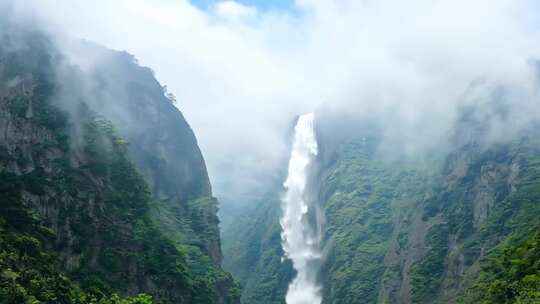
{"points": [[453, 226], [104, 192], [253, 253]]}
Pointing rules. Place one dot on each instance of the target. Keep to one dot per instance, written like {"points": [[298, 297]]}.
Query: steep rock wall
{"points": [[60, 143]]}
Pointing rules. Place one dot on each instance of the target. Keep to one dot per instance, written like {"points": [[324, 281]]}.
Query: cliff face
{"points": [[161, 143], [420, 231], [108, 176], [452, 226]]}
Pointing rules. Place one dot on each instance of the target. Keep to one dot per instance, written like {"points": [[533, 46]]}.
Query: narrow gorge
{"points": [[154, 152]]}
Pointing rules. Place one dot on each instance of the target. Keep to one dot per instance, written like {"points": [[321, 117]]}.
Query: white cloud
{"points": [[241, 75], [233, 10]]}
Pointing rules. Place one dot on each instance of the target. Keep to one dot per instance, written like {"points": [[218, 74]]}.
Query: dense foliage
{"points": [[362, 196], [254, 254], [511, 275], [453, 226], [510, 271], [78, 222], [30, 272]]}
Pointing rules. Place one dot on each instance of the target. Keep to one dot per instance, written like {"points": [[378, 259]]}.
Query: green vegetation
{"points": [[79, 222], [254, 254], [459, 229], [509, 276], [510, 272], [29, 269], [428, 273], [364, 194]]}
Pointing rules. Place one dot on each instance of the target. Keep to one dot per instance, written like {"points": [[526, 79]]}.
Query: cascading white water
{"points": [[300, 242]]}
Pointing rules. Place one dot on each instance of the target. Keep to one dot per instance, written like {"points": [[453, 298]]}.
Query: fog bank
{"points": [[241, 74]]}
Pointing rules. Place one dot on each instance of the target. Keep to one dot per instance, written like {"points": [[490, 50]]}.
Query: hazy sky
{"points": [[262, 5], [242, 70]]}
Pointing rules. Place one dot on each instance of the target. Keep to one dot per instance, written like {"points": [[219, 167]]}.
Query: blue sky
{"points": [[263, 5]]}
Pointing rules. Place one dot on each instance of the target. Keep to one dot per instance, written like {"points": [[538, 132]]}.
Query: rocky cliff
{"points": [[105, 190], [453, 225]]}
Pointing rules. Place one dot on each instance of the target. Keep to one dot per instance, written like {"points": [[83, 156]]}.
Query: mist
{"points": [[241, 74]]}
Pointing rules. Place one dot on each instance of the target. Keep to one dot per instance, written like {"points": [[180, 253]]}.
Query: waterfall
{"points": [[300, 241]]}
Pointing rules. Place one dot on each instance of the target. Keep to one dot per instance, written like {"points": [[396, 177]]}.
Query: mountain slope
{"points": [[114, 209], [450, 226], [253, 253]]}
